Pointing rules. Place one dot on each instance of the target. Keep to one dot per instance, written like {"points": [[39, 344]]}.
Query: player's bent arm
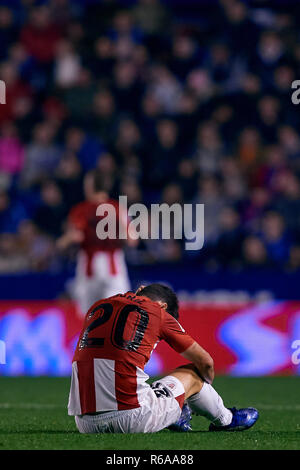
{"points": [[72, 236], [202, 360]]}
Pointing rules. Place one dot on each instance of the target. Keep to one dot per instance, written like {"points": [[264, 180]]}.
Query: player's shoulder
{"points": [[170, 322], [78, 208], [82, 210], [113, 201], [83, 205], [109, 201]]}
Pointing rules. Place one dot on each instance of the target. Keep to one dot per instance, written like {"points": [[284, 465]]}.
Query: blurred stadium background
{"points": [[172, 101]]}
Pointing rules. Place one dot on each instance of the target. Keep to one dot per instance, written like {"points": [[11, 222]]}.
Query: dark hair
{"points": [[164, 294]]}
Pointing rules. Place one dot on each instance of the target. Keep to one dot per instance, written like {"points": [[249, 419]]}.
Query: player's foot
{"points": [[241, 420], [183, 424]]}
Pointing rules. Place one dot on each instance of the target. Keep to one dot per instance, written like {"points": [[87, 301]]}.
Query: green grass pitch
{"points": [[34, 416]]}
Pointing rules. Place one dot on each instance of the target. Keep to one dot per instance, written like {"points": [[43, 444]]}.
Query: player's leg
{"points": [[116, 280], [87, 292], [200, 396], [203, 400], [85, 289]]}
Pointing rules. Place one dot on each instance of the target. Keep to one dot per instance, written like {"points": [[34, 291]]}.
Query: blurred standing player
{"points": [[101, 268]]}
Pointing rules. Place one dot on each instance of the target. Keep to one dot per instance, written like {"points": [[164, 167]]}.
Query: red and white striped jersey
{"points": [[116, 342]]}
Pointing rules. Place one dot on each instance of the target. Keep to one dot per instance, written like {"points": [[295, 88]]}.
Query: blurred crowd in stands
{"points": [[171, 104]]}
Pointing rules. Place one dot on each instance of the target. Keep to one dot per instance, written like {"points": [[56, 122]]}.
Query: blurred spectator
{"points": [[229, 244], [12, 260], [41, 156], [275, 237], [18, 93], [63, 11], [38, 249], [102, 120], [270, 50], [162, 157], [126, 88], [70, 180], [249, 148], [86, 147], [254, 252], [209, 194], [11, 150], [67, 65], [103, 60], [187, 178], [51, 215], [234, 182], [187, 118], [201, 85], [209, 148], [151, 16], [123, 28], [78, 96], [132, 191], [287, 202], [269, 117], [165, 88], [11, 213], [8, 30], [128, 139], [131, 170], [272, 165], [239, 26], [293, 263], [255, 208], [220, 64], [290, 143], [108, 170], [41, 35], [185, 56]]}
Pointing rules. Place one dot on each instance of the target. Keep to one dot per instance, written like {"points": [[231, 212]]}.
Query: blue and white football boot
{"points": [[241, 420], [183, 424]]}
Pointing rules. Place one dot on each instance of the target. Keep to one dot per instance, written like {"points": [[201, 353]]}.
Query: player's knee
{"points": [[198, 381], [190, 369], [189, 375]]}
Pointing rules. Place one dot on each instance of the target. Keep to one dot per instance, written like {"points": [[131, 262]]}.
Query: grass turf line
{"points": [[34, 416]]}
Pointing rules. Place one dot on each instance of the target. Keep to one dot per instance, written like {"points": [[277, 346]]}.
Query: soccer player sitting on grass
{"points": [[109, 390]]}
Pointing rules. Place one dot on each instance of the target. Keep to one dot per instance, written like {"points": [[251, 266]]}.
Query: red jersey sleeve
{"points": [[77, 217], [174, 334]]}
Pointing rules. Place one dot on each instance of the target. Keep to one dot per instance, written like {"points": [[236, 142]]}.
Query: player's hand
{"points": [[71, 237], [202, 360]]}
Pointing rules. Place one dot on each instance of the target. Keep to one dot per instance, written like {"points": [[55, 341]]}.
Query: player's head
{"points": [[162, 294], [94, 183]]}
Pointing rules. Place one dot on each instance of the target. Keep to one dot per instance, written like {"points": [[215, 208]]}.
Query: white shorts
{"points": [[102, 284], [160, 409]]}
